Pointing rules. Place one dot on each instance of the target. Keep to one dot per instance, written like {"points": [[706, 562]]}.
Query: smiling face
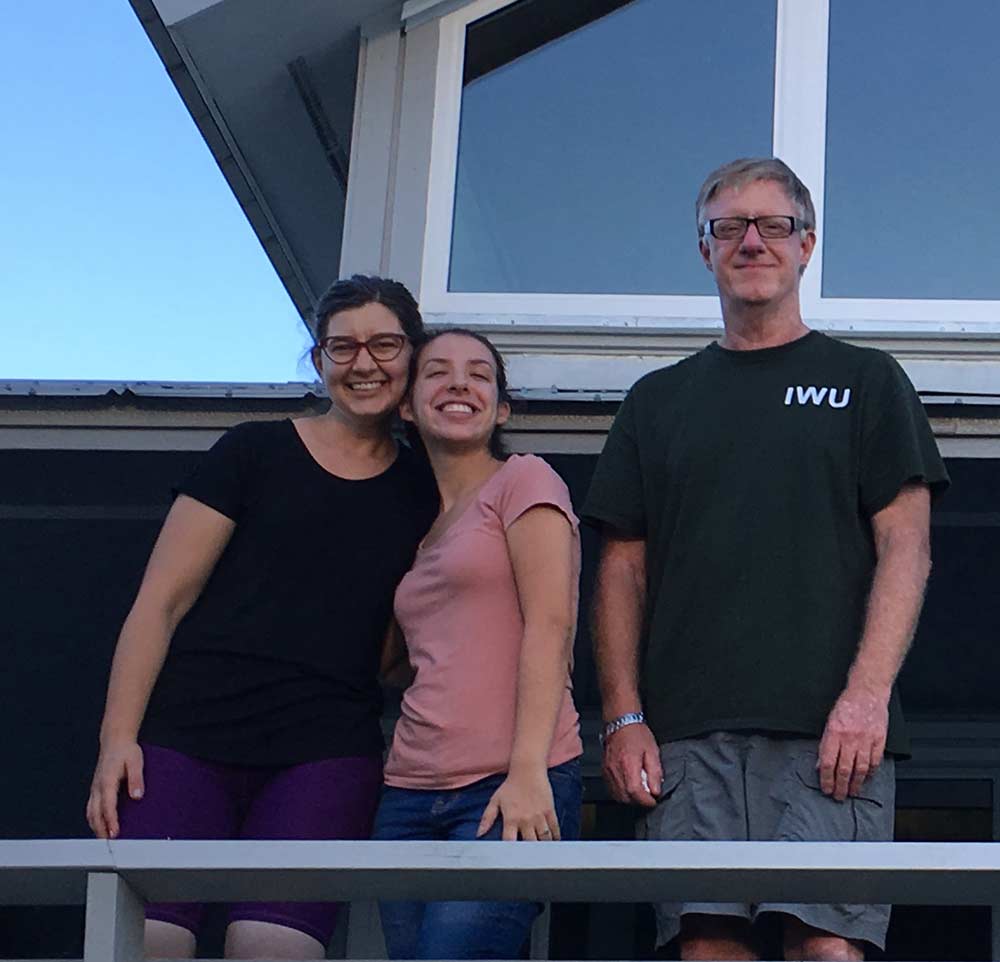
{"points": [[364, 389], [454, 398], [755, 270]]}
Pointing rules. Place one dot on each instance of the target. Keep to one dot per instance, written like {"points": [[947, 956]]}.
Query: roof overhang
{"points": [[271, 88], [160, 416]]}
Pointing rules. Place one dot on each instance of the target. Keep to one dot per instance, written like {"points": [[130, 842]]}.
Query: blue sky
{"points": [[123, 254]]}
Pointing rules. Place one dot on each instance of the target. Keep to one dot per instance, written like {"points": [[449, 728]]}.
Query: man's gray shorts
{"points": [[749, 787]]}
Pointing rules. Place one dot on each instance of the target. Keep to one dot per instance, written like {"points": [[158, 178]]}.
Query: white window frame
{"points": [[798, 137]]}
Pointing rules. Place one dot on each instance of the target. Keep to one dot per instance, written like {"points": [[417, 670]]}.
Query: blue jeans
{"points": [[462, 930]]}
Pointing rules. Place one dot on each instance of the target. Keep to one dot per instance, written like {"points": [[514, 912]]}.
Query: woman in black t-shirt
{"points": [[243, 700]]}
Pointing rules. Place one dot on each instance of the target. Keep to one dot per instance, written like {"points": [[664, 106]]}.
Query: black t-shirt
{"points": [[276, 663], [753, 476]]}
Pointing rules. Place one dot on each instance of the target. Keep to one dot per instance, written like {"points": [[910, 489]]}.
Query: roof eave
{"points": [[225, 150]]}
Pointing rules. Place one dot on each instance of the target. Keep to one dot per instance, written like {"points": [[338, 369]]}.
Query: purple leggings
{"points": [[191, 799]]}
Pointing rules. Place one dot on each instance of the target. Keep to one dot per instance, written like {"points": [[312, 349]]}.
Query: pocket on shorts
{"points": [[674, 771], [813, 816], [874, 806], [669, 821]]}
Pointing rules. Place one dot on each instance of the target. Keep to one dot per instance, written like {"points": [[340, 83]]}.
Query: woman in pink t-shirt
{"points": [[487, 745]]}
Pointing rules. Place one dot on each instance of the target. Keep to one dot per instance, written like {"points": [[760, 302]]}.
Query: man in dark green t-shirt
{"points": [[766, 506]]}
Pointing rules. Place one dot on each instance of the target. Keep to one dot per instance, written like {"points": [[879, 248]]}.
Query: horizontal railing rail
{"points": [[115, 879]]}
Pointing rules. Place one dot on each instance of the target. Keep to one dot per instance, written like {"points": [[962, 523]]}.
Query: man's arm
{"points": [[853, 741], [618, 614]]}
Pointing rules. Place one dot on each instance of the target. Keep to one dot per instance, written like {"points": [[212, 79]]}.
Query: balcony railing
{"points": [[115, 879]]}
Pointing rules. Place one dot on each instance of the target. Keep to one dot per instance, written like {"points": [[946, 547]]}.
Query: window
{"points": [[569, 141], [912, 150], [579, 159]]}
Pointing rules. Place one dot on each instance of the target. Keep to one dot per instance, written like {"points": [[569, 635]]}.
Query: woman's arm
{"points": [[541, 551], [187, 549]]}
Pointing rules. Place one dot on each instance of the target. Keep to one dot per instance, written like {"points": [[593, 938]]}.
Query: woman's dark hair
{"points": [[497, 447], [361, 289]]}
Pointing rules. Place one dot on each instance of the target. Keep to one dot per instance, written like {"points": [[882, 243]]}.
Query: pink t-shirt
{"points": [[459, 612]]}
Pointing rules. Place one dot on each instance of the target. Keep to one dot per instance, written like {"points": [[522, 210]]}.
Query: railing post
{"points": [[364, 931], [539, 946], [115, 920]]}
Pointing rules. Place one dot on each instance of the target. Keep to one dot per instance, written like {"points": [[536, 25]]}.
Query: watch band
{"points": [[617, 724]]}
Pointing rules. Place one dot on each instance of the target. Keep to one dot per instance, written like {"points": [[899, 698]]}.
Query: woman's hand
{"points": [[119, 760], [525, 806]]}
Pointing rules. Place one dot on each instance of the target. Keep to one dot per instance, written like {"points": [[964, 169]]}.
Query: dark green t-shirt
{"points": [[752, 476]]}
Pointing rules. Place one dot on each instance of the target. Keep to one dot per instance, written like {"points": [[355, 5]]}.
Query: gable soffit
{"points": [[271, 88]]}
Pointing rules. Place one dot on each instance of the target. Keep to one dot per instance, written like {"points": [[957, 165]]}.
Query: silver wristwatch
{"points": [[617, 724]]}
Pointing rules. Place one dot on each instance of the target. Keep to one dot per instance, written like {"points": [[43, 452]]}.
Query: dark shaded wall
{"points": [[76, 528]]}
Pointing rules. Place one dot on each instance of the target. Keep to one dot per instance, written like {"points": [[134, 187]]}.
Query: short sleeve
{"points": [[532, 482], [897, 443], [615, 496], [220, 478]]}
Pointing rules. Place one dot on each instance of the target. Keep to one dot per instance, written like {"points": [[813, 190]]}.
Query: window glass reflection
{"points": [[579, 159], [913, 150]]}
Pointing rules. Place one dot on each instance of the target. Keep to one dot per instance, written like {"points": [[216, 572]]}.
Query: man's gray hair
{"points": [[747, 170]]}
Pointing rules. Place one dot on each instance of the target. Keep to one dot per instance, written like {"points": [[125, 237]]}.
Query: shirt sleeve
{"points": [[615, 496], [220, 478], [532, 483], [897, 444]]}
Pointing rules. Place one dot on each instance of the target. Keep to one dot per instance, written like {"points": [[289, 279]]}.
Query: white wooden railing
{"points": [[115, 879]]}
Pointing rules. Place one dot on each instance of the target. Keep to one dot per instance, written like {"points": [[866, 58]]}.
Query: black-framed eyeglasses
{"points": [[770, 226], [382, 347]]}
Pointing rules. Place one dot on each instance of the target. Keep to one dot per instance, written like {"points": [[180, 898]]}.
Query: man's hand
{"points": [[853, 741], [628, 753]]}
